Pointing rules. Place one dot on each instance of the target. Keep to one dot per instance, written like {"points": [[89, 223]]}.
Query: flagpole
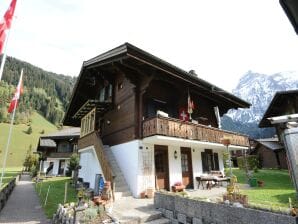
{"points": [[4, 54], [9, 137]]}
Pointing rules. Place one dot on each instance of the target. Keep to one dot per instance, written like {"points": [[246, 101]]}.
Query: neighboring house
{"points": [[135, 127], [56, 149], [283, 103], [291, 9], [271, 153]]}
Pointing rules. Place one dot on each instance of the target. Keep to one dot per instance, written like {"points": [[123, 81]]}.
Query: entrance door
{"points": [[186, 166], [61, 167], [161, 166]]}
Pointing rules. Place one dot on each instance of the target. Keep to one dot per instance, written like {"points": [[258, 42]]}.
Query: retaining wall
{"points": [[185, 210], [6, 191]]}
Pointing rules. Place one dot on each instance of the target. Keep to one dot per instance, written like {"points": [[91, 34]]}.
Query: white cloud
{"points": [[221, 40]]}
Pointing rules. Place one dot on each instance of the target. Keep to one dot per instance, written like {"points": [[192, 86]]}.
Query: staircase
{"points": [[127, 209], [121, 188]]}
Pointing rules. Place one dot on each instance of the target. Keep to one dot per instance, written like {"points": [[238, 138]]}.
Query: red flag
{"points": [[6, 23], [19, 91]]}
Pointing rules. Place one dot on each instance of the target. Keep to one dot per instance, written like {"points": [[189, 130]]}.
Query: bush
{"points": [[252, 162], [29, 130]]}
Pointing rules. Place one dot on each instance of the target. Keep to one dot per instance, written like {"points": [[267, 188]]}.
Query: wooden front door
{"points": [[186, 166], [161, 167]]}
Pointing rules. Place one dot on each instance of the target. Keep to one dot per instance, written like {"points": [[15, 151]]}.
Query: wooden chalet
{"points": [[132, 108], [271, 153], [56, 149]]}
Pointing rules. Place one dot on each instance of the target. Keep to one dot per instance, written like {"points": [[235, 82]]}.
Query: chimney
{"points": [[193, 73]]}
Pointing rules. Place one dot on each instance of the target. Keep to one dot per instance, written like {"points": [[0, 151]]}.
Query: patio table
{"points": [[207, 179]]}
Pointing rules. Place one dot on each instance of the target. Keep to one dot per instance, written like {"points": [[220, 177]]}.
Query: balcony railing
{"points": [[177, 128], [93, 139]]}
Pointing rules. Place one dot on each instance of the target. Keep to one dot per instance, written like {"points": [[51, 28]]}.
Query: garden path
{"points": [[23, 205]]}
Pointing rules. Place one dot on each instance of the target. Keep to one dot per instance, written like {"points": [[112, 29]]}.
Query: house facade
{"points": [[56, 149], [134, 112]]}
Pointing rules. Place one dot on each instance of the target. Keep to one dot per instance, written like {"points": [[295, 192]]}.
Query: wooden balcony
{"points": [[176, 128]]}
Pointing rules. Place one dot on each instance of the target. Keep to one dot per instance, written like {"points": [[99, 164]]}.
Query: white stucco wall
{"points": [[90, 165], [175, 170], [127, 157]]}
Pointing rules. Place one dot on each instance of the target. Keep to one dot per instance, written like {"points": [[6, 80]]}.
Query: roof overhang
{"points": [[276, 107], [291, 9]]}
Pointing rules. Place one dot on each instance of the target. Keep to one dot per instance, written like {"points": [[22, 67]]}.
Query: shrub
{"points": [[29, 130], [252, 162]]}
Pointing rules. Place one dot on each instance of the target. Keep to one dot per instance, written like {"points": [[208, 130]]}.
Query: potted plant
{"points": [[178, 186], [261, 183]]}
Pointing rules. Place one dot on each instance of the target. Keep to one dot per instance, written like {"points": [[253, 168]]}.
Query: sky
{"points": [[220, 40]]}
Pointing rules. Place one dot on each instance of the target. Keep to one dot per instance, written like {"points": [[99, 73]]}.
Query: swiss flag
{"points": [[5, 24], [183, 115], [19, 91]]}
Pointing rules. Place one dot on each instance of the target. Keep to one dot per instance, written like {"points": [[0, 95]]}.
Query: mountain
{"points": [[45, 92], [258, 89]]}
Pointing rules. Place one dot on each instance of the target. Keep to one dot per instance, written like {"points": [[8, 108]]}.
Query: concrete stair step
{"points": [[140, 216], [159, 221], [121, 188], [122, 195]]}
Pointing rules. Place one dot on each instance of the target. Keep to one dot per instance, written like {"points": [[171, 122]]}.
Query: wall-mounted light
{"points": [[108, 122], [175, 154]]}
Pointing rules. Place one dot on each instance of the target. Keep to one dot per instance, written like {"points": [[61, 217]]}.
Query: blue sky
{"points": [[220, 40]]}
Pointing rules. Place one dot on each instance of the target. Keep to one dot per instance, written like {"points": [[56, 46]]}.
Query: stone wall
{"points": [[185, 210], [6, 191]]}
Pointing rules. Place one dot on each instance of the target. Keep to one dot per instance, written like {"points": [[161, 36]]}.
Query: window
{"points": [[106, 92], [184, 162], [64, 147], [209, 160], [88, 123]]}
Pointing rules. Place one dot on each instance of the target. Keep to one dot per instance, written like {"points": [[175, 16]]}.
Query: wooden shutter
{"points": [[204, 162]]}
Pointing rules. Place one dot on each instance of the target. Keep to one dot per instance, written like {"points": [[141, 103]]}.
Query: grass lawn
{"points": [[9, 174], [20, 140], [56, 193], [276, 192]]}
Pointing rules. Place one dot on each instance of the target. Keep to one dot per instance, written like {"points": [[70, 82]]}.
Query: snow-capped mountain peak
{"points": [[259, 89]]}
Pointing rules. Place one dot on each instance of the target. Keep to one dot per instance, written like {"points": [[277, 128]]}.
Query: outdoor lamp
{"points": [[175, 154]]}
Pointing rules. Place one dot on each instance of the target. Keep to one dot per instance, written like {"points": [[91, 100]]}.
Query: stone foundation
{"points": [[6, 191], [185, 210]]}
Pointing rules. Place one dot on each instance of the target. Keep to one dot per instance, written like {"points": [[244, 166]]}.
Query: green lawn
{"points": [[9, 174], [21, 141], [56, 193], [276, 192]]}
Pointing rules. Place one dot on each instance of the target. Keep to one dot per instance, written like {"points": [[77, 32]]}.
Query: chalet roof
{"points": [[46, 142], [275, 108], [64, 133], [136, 55], [271, 143], [291, 9]]}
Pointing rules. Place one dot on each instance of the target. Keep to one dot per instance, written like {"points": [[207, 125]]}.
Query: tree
{"points": [[30, 160], [74, 165]]}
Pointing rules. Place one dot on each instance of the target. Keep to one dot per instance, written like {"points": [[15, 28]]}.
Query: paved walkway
{"points": [[23, 205]]}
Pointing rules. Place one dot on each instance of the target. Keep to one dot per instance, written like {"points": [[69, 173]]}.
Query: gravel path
{"points": [[23, 205]]}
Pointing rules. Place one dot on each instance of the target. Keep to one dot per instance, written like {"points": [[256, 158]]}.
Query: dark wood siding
{"points": [[119, 124]]}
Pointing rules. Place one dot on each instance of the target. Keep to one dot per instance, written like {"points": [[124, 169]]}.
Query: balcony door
{"points": [[161, 161], [186, 167]]}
